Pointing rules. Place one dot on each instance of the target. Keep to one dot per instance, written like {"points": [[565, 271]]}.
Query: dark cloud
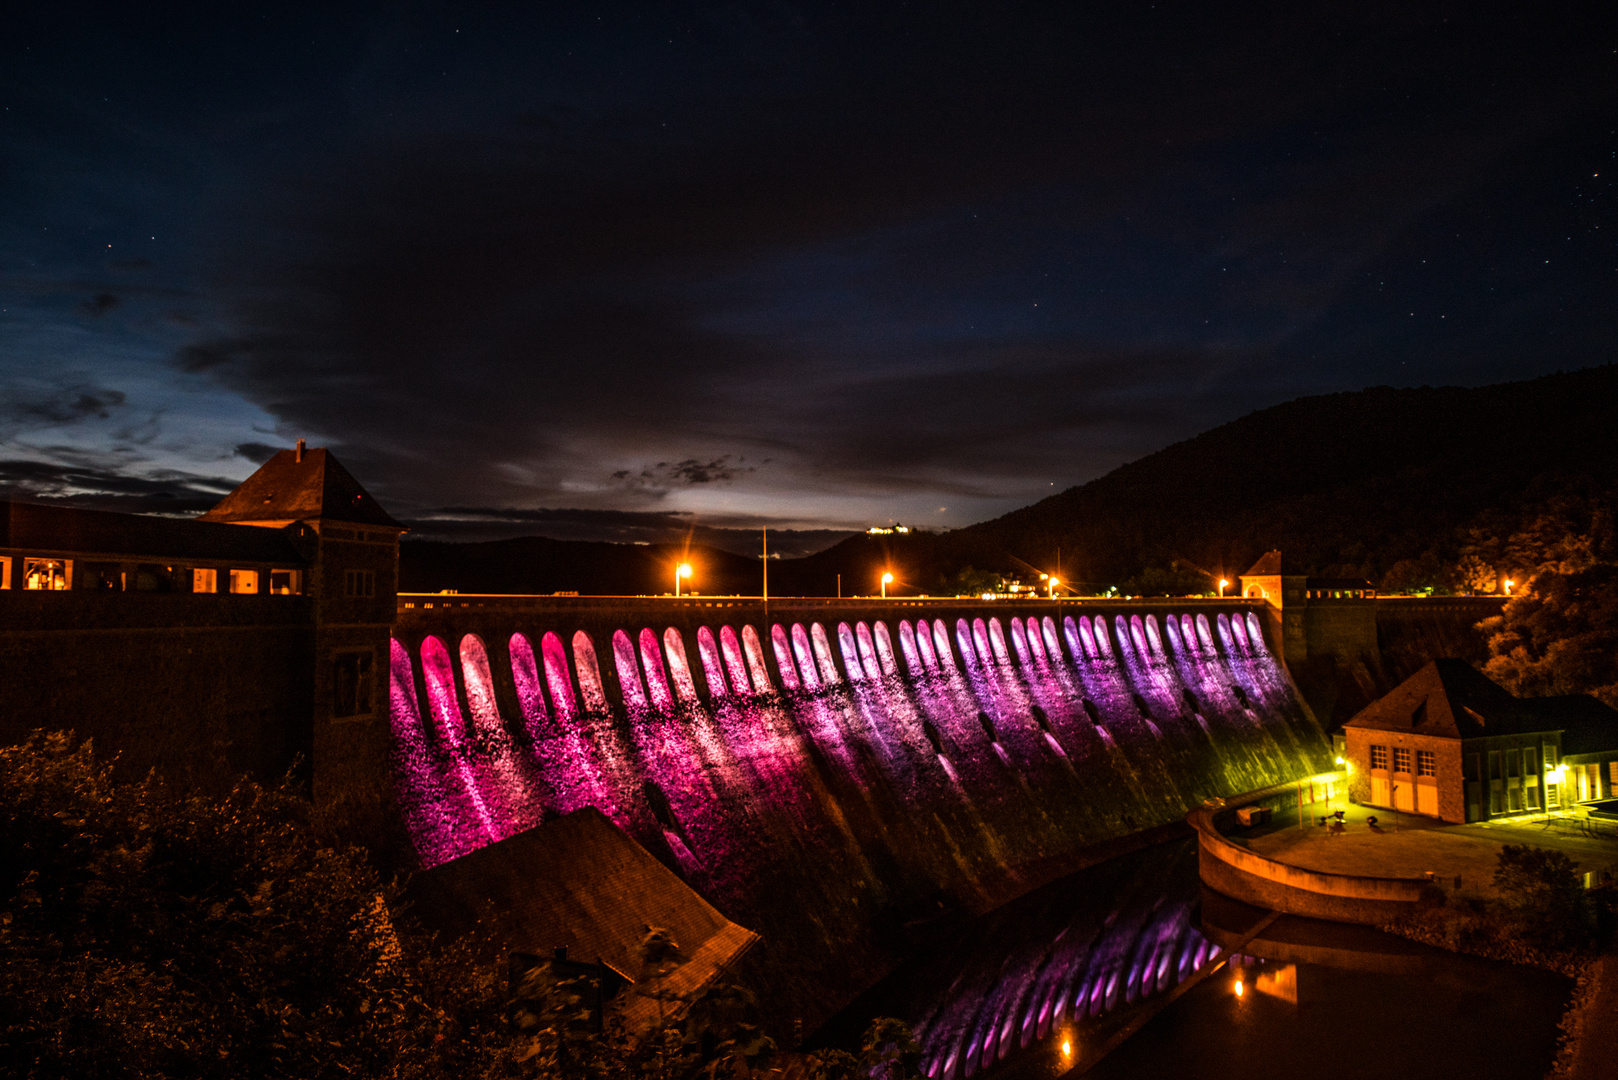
{"points": [[847, 260], [628, 527], [256, 452], [100, 304], [669, 474], [109, 488], [29, 407]]}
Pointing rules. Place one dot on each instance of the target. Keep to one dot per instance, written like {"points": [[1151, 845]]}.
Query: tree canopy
{"points": [[1559, 633]]}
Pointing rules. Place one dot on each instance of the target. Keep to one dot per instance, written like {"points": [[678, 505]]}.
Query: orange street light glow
{"points": [[1223, 585], [885, 579], [681, 571]]}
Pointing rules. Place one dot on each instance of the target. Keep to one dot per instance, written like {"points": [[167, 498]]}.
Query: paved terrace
{"points": [[1405, 845]]}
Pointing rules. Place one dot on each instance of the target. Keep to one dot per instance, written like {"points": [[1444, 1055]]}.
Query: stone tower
{"points": [[352, 550]]}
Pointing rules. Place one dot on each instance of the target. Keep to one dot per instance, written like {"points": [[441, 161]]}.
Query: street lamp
{"points": [[1223, 585], [1054, 582], [1509, 584], [681, 571], [885, 579]]}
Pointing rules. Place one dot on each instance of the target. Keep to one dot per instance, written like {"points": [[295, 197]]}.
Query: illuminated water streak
{"points": [[853, 762]]}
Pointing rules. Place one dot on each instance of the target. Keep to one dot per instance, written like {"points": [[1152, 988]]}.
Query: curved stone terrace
{"points": [[1403, 845]]}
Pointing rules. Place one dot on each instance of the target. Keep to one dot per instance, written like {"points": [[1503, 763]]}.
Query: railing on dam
{"points": [[832, 774]]}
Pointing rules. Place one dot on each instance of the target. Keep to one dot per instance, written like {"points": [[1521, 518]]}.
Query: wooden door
{"points": [[1427, 799]]}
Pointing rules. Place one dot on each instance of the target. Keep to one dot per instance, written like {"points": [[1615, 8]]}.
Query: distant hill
{"points": [[534, 564], [1341, 483], [1350, 482]]}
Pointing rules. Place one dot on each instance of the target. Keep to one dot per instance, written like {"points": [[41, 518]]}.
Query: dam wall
{"points": [[847, 778]]}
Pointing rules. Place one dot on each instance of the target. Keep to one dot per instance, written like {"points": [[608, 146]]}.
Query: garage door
{"points": [[1379, 791], [1427, 799]]}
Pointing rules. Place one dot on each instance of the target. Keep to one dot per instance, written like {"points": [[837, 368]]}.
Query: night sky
{"points": [[610, 270]]}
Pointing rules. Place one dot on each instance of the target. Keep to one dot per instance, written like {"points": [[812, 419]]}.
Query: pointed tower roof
{"points": [[301, 485], [1268, 565], [1451, 698]]}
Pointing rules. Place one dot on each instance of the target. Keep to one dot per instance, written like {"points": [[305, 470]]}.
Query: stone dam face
{"points": [[844, 780]]}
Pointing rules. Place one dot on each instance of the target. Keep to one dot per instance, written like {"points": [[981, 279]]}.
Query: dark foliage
{"points": [[145, 933], [1175, 579], [1559, 634], [1545, 896]]}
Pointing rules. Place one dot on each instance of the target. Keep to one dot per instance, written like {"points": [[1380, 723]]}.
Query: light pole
{"points": [[1053, 582], [681, 571], [1509, 584], [885, 579], [1223, 585]]}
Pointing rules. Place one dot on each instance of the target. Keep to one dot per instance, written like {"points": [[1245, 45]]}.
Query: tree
{"points": [[1425, 574], [1176, 579], [887, 1052], [149, 933], [1544, 893], [1559, 633], [970, 581]]}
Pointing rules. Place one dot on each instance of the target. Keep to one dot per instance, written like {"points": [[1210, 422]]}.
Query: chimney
{"points": [[299, 452]]}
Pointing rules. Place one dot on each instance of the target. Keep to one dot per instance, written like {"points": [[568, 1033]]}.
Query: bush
{"points": [[1545, 896], [147, 933]]}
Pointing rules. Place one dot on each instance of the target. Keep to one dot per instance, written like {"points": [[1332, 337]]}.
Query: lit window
{"points": [[204, 580], [49, 575], [359, 583], [1379, 757], [283, 582], [351, 684], [1426, 763], [5, 572], [244, 581], [1401, 759]]}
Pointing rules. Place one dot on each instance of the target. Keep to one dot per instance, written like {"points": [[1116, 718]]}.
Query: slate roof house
{"points": [[1451, 743]]}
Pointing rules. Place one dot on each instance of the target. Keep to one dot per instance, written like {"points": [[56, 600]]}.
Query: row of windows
{"points": [[62, 575], [44, 574], [1340, 594], [1426, 761]]}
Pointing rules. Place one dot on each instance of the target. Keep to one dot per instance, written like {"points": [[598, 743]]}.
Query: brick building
{"points": [[1450, 743], [248, 640]]}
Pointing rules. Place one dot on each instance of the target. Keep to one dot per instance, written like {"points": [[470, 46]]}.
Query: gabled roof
{"points": [[1452, 699], [1268, 565], [301, 485]]}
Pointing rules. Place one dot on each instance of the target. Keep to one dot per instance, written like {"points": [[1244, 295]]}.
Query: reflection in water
{"points": [[1061, 978], [1046, 974]]}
